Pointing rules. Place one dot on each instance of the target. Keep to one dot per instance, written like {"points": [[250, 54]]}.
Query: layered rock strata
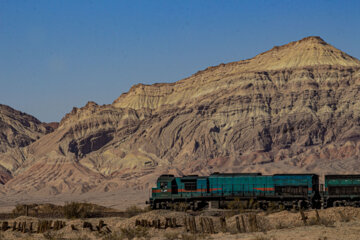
{"points": [[294, 108]]}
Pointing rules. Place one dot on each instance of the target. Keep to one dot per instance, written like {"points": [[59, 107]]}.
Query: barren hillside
{"points": [[294, 108]]}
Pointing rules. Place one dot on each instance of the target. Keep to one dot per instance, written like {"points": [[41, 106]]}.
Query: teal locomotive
{"points": [[287, 190]]}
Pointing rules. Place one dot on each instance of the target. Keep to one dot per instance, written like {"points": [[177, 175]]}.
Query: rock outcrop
{"points": [[294, 108], [17, 130]]}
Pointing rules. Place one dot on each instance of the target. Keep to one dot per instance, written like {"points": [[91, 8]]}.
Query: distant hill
{"points": [[294, 108], [17, 130]]}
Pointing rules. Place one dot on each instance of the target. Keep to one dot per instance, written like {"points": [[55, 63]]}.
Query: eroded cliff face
{"points": [[294, 108], [17, 130]]}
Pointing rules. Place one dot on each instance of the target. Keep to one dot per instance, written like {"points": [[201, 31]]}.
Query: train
{"points": [[299, 191]]}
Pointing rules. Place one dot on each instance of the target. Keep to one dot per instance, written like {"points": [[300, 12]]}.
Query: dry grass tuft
{"points": [[264, 237], [345, 217], [51, 235], [172, 235], [190, 236], [135, 210], [77, 210], [128, 233]]}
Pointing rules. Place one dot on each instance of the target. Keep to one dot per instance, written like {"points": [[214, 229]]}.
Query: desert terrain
{"points": [[293, 109], [333, 223]]}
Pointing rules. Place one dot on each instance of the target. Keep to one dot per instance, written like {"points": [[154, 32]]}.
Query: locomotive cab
{"points": [[166, 186]]}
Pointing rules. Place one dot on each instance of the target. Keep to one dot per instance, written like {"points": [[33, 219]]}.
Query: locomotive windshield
{"points": [[163, 186]]}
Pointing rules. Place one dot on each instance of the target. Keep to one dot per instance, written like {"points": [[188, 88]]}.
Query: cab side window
{"points": [[163, 186]]}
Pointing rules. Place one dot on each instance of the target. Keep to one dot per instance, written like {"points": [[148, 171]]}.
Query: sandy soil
{"points": [[114, 199], [336, 223]]}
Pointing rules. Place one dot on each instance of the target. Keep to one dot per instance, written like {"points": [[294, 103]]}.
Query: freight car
{"points": [[342, 190], [286, 190]]}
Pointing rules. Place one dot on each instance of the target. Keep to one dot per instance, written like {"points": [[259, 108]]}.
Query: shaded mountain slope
{"points": [[294, 108], [17, 130]]}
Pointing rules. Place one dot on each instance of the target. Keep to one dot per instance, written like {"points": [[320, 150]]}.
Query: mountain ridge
{"points": [[266, 61], [224, 118]]}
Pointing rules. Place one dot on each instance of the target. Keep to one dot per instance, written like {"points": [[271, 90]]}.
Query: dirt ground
{"points": [[334, 223]]}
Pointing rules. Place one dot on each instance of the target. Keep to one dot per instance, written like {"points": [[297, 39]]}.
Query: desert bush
{"points": [[322, 238], [345, 218], [137, 232], [82, 237], [135, 210], [113, 236], [77, 210], [51, 235], [70, 210], [190, 236], [322, 221], [34, 209], [236, 204], [180, 206], [264, 237], [280, 225], [327, 222], [273, 207], [171, 235]]}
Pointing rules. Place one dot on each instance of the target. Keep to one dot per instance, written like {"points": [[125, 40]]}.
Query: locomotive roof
{"points": [[334, 176], [235, 174], [296, 174], [193, 177], [167, 175]]}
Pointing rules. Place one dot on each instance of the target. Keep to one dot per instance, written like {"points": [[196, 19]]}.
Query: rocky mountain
{"points": [[17, 130], [294, 108]]}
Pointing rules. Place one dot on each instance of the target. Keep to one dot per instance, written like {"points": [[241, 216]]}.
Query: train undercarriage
{"points": [[236, 203]]}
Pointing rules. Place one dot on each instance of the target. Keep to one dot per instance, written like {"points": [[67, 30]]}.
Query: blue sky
{"points": [[55, 55]]}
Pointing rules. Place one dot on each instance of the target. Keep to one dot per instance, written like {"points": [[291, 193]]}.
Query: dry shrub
{"points": [[77, 210], [180, 206], [236, 204], [34, 209], [70, 210], [240, 205], [137, 232], [322, 221], [113, 236], [82, 237], [273, 207], [135, 210], [128, 233], [327, 222], [264, 237], [280, 225], [171, 235], [345, 217], [323, 238], [190, 236], [51, 235]]}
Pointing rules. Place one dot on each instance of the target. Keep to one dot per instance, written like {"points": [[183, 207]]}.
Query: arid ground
{"points": [[332, 223]]}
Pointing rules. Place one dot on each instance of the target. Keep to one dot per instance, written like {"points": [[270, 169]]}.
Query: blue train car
{"points": [[289, 190], [342, 190]]}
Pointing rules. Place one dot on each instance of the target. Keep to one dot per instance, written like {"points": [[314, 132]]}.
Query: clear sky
{"points": [[55, 55]]}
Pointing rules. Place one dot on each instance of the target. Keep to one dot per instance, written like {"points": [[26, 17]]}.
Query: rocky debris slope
{"points": [[17, 130], [294, 108]]}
